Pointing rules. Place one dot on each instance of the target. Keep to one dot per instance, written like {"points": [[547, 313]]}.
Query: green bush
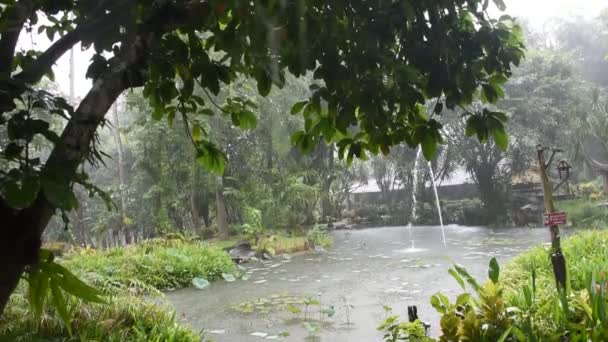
{"points": [[524, 304], [124, 318], [150, 265], [583, 212]]}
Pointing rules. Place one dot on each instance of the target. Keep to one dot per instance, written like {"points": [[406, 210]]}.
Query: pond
{"points": [[363, 271]]}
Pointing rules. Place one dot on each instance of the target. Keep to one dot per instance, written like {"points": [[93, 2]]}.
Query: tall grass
{"points": [[124, 319], [587, 261], [154, 264], [124, 274]]}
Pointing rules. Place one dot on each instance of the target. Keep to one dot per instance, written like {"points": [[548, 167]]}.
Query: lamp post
{"points": [[557, 257]]}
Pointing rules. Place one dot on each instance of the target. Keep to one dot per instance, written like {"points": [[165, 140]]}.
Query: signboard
{"points": [[553, 219]]}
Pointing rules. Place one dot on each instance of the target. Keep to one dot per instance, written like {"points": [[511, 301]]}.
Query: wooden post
{"points": [[557, 258]]}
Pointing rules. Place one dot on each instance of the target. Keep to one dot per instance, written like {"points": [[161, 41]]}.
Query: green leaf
{"points": [[504, 335], [60, 305], [440, 302], [200, 283], [494, 270], [500, 4], [293, 309], [500, 137], [297, 107], [72, 285], [196, 132], [21, 195], [463, 272], [429, 146], [264, 82], [245, 119], [37, 292], [457, 276], [463, 299], [210, 157], [228, 277]]}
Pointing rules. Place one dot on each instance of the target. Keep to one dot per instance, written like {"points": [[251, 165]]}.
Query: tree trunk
{"points": [[21, 239], [220, 209]]}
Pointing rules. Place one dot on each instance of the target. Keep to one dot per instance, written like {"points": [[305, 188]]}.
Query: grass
{"points": [[586, 256], [151, 265], [125, 318], [123, 273]]}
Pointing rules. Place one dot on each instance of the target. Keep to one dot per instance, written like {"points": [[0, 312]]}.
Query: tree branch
{"points": [[74, 144], [17, 15], [34, 72]]}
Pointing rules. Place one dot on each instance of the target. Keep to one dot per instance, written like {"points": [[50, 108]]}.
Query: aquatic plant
{"points": [[396, 330]]}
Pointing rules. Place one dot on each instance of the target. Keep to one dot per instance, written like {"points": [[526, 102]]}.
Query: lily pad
{"points": [[200, 283], [228, 277]]}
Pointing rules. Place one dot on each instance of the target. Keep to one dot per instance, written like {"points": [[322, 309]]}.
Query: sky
{"points": [[536, 12]]}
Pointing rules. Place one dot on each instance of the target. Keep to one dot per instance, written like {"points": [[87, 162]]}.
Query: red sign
{"points": [[556, 218]]}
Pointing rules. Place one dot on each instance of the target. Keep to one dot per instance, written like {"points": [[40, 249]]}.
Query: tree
{"points": [[405, 51]]}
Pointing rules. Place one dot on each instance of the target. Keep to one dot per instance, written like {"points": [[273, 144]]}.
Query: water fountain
{"points": [[414, 192], [413, 216], [437, 203]]}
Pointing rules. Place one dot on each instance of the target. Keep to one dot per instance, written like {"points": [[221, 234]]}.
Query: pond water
{"points": [[364, 270]]}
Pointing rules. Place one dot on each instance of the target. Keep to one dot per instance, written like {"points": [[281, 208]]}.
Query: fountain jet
{"points": [[437, 203]]}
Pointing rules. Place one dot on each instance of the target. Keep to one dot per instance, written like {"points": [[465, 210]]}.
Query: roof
{"points": [[460, 176]]}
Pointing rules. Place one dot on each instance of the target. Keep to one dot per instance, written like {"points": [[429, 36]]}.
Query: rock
{"points": [[266, 256], [242, 252]]}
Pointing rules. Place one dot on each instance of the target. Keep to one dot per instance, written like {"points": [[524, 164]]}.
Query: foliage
{"points": [[591, 191], [523, 303], [585, 213], [151, 265], [483, 317], [394, 330], [49, 280], [123, 318], [252, 229], [319, 237]]}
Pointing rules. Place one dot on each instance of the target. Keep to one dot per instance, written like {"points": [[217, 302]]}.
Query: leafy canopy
{"points": [[376, 64]]}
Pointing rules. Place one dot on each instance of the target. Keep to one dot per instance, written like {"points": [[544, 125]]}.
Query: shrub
{"points": [[585, 212], [319, 237], [151, 265], [525, 304]]}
